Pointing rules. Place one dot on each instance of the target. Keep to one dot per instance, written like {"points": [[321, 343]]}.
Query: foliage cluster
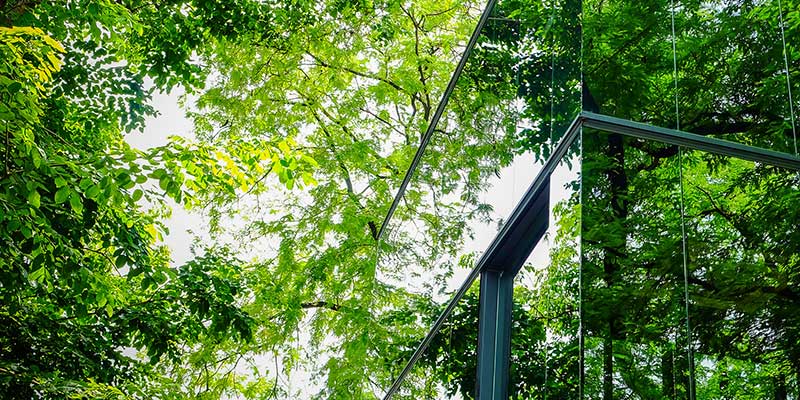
{"points": [[307, 115]]}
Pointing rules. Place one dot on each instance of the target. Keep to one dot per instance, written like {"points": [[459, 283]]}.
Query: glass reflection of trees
{"points": [[690, 262], [729, 59], [714, 318], [742, 222], [632, 272], [743, 283]]}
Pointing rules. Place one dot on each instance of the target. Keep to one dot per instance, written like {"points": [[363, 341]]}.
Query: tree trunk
{"points": [[611, 263], [608, 368], [780, 387], [668, 374]]}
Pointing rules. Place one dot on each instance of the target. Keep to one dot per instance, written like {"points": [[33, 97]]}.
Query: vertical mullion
{"points": [[494, 335]]}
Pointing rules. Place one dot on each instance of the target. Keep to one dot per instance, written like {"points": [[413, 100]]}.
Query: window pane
{"points": [[514, 101], [744, 251], [448, 366], [632, 280], [729, 59], [544, 337]]}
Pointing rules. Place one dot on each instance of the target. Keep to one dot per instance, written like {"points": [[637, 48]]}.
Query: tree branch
{"points": [[321, 304], [389, 82]]}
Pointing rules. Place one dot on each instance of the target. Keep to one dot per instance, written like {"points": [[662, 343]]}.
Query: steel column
{"points": [[494, 334]]}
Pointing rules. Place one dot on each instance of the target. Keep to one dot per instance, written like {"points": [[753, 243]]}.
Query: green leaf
{"points": [[100, 298], [310, 161], [75, 202], [284, 148], [14, 87], [36, 158], [38, 275], [92, 192], [34, 199], [62, 194], [308, 179], [85, 183]]}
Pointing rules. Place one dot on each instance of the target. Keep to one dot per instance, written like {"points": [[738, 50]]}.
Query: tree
{"points": [[308, 115], [85, 283], [355, 90]]}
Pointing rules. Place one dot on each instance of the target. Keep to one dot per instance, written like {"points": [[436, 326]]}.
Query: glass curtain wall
{"points": [[446, 369], [743, 246], [689, 258], [735, 62], [634, 308], [665, 272], [519, 91], [689, 273], [545, 340]]}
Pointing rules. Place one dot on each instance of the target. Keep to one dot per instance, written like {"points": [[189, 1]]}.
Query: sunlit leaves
{"points": [[79, 251]]}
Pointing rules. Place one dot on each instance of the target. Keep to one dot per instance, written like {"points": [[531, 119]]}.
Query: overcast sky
{"points": [[170, 121]]}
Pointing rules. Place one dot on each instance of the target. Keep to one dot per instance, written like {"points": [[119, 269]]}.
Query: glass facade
{"points": [[545, 332], [642, 228], [635, 341]]}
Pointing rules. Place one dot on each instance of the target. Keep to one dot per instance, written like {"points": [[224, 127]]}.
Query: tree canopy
{"points": [[307, 116]]}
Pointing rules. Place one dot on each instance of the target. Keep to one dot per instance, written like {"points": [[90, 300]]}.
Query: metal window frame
{"points": [[505, 255]]}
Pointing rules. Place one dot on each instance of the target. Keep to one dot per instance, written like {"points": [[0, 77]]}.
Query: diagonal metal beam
{"points": [[426, 137], [688, 140], [494, 251]]}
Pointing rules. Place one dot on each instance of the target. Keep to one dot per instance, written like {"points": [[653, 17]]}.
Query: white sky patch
{"points": [[171, 121]]}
